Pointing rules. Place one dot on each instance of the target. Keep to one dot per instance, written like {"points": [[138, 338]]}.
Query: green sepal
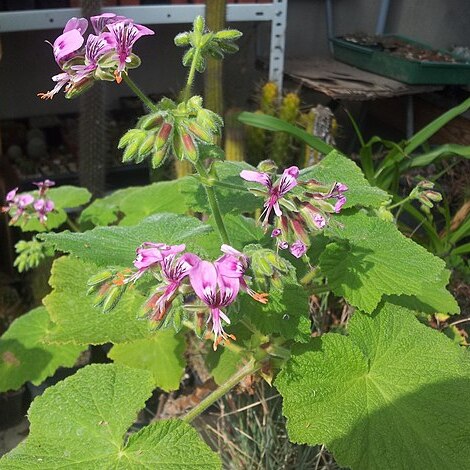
{"points": [[134, 62], [79, 88]]}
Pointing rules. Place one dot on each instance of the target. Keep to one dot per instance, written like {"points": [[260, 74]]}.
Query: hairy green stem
{"points": [[251, 367], [139, 93], [73, 226], [213, 203], [399, 203], [191, 75]]}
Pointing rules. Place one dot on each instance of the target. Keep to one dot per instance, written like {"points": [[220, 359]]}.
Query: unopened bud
{"points": [[433, 195], [425, 184], [146, 146], [229, 34], [190, 149], [113, 297], [158, 157], [199, 132], [198, 24], [182, 39], [100, 277], [267, 166], [425, 201], [163, 136], [129, 136], [151, 121], [228, 47], [131, 151]]}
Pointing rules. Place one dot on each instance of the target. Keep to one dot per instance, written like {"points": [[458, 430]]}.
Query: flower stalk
{"points": [[139, 93], [250, 368], [214, 205]]}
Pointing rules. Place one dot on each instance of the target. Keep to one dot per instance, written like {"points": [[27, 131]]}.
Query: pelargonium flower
{"points": [[216, 291], [173, 269], [304, 210], [275, 192], [149, 255], [25, 205], [125, 34], [42, 207], [17, 204], [81, 66]]}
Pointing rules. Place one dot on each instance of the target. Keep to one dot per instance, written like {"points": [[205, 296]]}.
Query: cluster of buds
{"points": [[306, 205], [203, 43], [24, 206], [107, 54], [424, 192], [177, 129], [180, 274]]}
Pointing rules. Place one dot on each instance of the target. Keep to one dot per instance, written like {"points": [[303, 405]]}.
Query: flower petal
{"points": [[257, 177], [288, 180]]}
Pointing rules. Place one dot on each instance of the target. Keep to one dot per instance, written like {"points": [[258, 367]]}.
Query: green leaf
{"points": [[159, 197], [371, 258], [162, 354], [393, 394], [337, 167], [286, 313], [75, 318], [68, 197], [223, 363], [81, 423], [23, 355], [54, 219], [116, 245], [105, 211], [272, 123]]}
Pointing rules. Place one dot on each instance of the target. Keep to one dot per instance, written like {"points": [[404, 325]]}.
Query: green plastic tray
{"points": [[409, 71]]}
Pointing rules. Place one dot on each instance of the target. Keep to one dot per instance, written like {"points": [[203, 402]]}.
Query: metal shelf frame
{"points": [[275, 12]]}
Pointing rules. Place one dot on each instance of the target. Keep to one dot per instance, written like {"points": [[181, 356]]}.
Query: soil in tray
{"points": [[400, 48]]}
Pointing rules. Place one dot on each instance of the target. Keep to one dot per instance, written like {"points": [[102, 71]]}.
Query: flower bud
{"points": [[129, 136], [425, 184], [131, 150], [199, 132], [163, 136], [267, 166], [113, 297], [198, 24], [150, 121], [425, 201], [433, 195], [158, 157], [229, 47], [229, 34], [183, 39], [100, 277], [189, 148], [146, 146]]}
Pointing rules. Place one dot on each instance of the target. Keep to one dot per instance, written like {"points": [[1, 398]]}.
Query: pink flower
{"points": [[275, 191], [42, 208], [173, 270], [100, 22], [298, 249], [17, 204], [150, 255], [216, 291], [125, 34]]}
